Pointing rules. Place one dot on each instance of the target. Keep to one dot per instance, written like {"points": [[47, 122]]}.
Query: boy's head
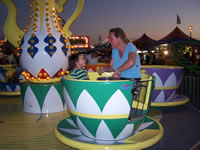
{"points": [[94, 55], [77, 60]]}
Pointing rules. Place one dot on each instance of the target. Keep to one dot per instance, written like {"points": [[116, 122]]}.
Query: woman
{"points": [[125, 60]]}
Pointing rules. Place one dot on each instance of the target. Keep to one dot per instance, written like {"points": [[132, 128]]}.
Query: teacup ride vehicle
{"points": [[43, 49], [108, 114], [168, 80], [9, 80]]}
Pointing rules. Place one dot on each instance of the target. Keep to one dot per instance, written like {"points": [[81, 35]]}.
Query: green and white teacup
{"points": [[100, 109]]}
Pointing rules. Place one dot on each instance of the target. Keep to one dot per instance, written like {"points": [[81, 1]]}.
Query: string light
{"points": [[85, 38]]}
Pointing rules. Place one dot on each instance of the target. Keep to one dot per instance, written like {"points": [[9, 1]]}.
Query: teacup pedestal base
{"points": [[178, 100], [42, 98], [148, 134]]}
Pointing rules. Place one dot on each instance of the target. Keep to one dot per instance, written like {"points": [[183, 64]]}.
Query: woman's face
{"points": [[113, 40]]}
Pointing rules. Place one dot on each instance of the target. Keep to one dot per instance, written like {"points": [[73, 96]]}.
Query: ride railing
{"points": [[142, 94], [190, 87]]}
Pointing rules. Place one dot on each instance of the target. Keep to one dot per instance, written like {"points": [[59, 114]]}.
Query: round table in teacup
{"points": [[42, 98], [95, 68], [9, 79], [168, 79], [100, 109]]}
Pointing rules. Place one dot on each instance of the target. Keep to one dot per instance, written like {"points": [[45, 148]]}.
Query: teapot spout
{"points": [[11, 29]]}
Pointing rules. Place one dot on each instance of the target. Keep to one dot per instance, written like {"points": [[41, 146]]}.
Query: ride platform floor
{"points": [[181, 129], [24, 131]]}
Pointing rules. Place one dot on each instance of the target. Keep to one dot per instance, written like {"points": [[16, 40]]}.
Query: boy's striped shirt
{"points": [[80, 74]]}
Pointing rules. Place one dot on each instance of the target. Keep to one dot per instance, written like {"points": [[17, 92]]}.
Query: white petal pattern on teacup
{"points": [[127, 131], [103, 142], [145, 125], [83, 129], [1, 77], [83, 139], [171, 81], [65, 106], [160, 97], [30, 102], [103, 131], [71, 122], [52, 102], [121, 141], [90, 70], [180, 80], [68, 100], [158, 80], [21, 77], [71, 131], [17, 89], [117, 104], [171, 96], [82, 104], [8, 88]]}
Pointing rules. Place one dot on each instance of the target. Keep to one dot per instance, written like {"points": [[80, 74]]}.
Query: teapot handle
{"points": [[60, 5], [70, 21]]}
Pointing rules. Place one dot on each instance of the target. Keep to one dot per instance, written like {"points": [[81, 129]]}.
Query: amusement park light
{"points": [[166, 52], [190, 29], [165, 44], [2, 41], [85, 38]]}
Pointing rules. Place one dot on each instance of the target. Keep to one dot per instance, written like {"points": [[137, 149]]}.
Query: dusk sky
{"points": [[156, 18]]}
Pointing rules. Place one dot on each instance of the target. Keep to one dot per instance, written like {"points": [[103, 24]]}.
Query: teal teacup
{"points": [[100, 109]]}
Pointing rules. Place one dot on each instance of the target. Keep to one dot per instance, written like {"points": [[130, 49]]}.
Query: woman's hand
{"points": [[101, 70], [105, 69], [116, 74]]}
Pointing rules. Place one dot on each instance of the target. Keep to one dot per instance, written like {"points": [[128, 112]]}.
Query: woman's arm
{"points": [[106, 69], [129, 63], [109, 68]]}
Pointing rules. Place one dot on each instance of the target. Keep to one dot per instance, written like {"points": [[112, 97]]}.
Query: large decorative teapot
{"points": [[43, 47]]}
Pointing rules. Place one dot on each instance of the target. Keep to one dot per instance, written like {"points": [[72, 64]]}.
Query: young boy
{"points": [[77, 66]]}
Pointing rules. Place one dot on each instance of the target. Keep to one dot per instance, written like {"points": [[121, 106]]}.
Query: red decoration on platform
{"points": [[43, 74], [58, 74], [28, 74]]}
